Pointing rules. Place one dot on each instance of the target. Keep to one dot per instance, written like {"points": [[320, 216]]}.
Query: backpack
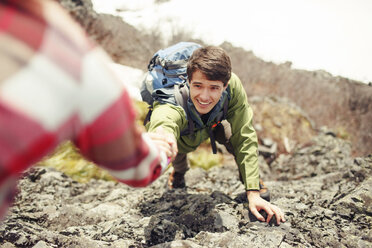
{"points": [[166, 68], [166, 79]]}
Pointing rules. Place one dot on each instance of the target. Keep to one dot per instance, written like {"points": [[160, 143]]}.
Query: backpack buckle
{"points": [[215, 124]]}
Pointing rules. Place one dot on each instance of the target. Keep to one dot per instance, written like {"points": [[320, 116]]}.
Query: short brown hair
{"points": [[212, 61]]}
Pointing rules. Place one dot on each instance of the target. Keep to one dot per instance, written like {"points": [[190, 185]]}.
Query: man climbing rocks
{"points": [[211, 85]]}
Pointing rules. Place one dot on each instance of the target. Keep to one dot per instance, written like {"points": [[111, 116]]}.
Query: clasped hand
{"points": [[165, 142]]}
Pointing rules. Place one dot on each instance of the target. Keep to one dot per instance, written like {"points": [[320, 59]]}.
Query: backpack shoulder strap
{"points": [[226, 103], [225, 108], [181, 94]]}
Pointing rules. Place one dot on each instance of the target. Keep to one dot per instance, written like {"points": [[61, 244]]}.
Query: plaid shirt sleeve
{"points": [[56, 85]]}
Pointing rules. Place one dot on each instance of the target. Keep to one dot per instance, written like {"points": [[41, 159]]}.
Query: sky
{"points": [[330, 35]]}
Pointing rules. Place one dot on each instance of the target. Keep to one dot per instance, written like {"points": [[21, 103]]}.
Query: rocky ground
{"points": [[324, 192]]}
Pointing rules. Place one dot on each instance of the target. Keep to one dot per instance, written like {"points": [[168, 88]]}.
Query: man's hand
{"points": [[165, 142], [256, 203]]}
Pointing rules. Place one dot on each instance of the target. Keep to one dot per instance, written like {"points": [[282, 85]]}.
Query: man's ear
{"points": [[225, 87]]}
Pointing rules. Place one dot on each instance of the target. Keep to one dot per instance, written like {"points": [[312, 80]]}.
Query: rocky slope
{"points": [[325, 194]]}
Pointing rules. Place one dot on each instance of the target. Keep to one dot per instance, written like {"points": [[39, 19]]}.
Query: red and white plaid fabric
{"points": [[55, 85]]}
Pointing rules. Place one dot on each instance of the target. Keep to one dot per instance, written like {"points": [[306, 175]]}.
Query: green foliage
{"points": [[141, 109], [67, 159], [204, 158]]}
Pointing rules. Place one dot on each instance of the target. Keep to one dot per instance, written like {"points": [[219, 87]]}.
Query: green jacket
{"points": [[244, 138]]}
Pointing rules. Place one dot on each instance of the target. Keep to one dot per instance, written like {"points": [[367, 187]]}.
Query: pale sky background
{"points": [[330, 35]]}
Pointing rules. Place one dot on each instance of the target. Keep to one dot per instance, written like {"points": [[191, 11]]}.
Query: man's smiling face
{"points": [[205, 93]]}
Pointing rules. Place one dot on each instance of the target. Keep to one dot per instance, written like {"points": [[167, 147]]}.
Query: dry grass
{"points": [[204, 158], [67, 159]]}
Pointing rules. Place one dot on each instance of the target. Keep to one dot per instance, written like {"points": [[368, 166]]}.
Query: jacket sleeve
{"points": [[170, 117], [244, 137]]}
